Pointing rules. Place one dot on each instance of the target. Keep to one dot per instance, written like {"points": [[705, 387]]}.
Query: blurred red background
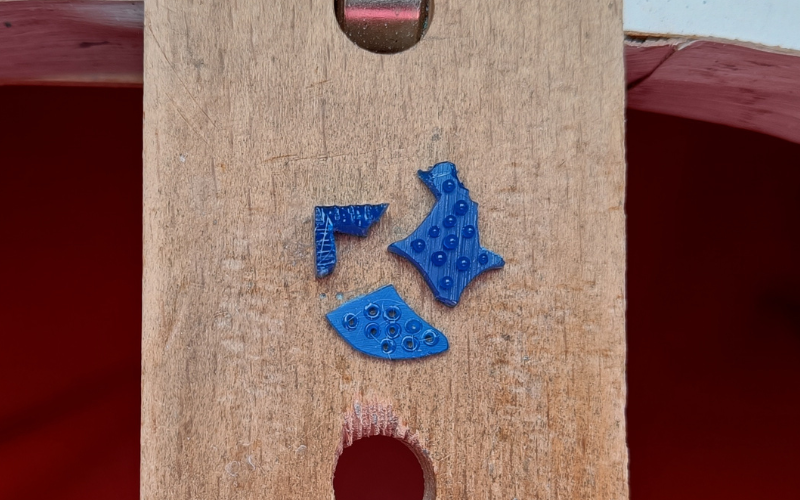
{"points": [[713, 312], [713, 304], [70, 199]]}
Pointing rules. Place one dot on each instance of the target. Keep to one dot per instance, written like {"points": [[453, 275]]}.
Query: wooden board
{"points": [[728, 84], [255, 112], [65, 43]]}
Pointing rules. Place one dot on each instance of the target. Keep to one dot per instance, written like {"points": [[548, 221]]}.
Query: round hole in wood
{"points": [[378, 467], [379, 457], [384, 26]]}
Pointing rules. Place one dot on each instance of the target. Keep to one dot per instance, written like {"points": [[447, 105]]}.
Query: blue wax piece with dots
{"points": [[381, 324], [446, 246], [350, 219]]}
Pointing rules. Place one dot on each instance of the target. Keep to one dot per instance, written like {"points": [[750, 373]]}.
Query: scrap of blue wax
{"points": [[350, 219], [446, 247], [381, 324]]}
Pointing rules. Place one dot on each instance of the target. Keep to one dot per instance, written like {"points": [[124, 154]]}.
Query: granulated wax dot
{"points": [[438, 259], [391, 313], [372, 311], [392, 330], [409, 343], [350, 321], [387, 346], [430, 337], [413, 326], [372, 330]]}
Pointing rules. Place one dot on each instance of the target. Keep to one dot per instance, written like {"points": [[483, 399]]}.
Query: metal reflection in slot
{"points": [[384, 26]]}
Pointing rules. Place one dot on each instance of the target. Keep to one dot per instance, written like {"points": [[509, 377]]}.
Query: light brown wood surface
{"points": [[255, 112]]}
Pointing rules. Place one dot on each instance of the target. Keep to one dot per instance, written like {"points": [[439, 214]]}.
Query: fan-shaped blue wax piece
{"points": [[446, 246], [381, 324], [350, 219]]}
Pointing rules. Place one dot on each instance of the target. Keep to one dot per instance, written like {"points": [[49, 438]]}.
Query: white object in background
{"points": [[768, 22]]}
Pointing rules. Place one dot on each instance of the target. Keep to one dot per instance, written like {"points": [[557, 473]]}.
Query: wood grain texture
{"points": [[728, 84], [258, 111], [65, 43]]}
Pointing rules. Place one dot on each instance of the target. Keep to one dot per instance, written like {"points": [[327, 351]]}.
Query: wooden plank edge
{"points": [[659, 39], [741, 85], [642, 57], [75, 44], [127, 82]]}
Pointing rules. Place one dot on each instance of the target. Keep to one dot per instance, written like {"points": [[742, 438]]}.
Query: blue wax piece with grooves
{"points": [[350, 219], [446, 246], [381, 324]]}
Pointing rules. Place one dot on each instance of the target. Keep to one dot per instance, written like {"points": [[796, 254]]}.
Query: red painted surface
{"points": [[713, 312], [713, 295], [641, 61], [70, 259], [726, 84], [69, 43]]}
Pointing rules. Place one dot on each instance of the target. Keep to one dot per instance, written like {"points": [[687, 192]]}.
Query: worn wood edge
{"points": [[640, 62], [750, 89], [99, 81], [71, 43], [769, 22], [379, 419], [637, 38]]}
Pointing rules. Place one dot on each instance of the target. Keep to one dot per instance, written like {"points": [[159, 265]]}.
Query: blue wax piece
{"points": [[446, 246], [351, 219], [381, 324]]}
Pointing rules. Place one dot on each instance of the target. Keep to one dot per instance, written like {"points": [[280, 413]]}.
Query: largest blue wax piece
{"points": [[446, 246], [381, 324], [350, 219]]}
